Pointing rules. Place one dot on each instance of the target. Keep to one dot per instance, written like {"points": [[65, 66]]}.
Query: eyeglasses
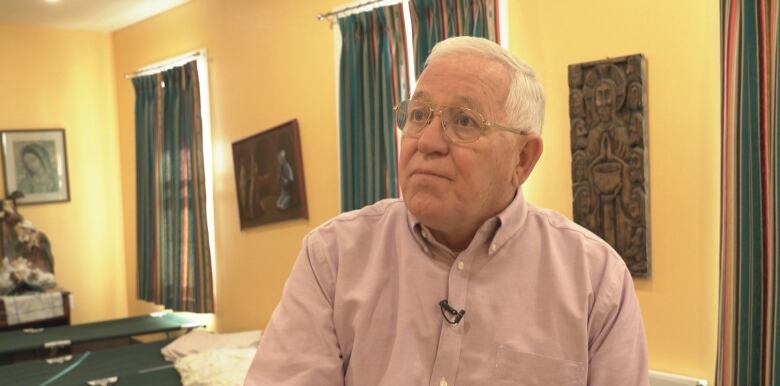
{"points": [[461, 124]]}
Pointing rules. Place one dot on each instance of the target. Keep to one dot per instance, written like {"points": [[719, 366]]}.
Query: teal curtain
{"points": [[749, 326], [372, 80], [436, 20], [174, 259]]}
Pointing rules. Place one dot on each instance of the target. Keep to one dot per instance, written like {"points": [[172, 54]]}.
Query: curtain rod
{"points": [[157, 67], [326, 15]]}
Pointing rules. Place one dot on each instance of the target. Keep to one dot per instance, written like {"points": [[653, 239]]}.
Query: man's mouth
{"points": [[427, 172]]}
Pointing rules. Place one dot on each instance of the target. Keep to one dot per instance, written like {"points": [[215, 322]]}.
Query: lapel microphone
{"points": [[453, 313]]}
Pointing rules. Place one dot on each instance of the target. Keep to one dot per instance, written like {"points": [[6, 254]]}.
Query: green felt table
{"points": [[158, 377], [20, 341], [139, 364]]}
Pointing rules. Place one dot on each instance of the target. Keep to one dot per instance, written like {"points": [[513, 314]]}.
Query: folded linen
{"points": [[220, 367], [201, 341]]}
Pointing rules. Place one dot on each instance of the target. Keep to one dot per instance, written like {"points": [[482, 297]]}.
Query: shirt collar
{"points": [[421, 234], [511, 221], [499, 228]]}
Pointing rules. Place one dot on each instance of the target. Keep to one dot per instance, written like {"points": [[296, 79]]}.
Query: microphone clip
{"points": [[454, 315]]}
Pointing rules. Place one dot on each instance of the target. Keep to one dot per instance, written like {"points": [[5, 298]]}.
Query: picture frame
{"points": [[35, 162], [268, 168]]}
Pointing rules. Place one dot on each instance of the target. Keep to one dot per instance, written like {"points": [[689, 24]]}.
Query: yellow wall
{"points": [[680, 40], [269, 62], [52, 78], [272, 61]]}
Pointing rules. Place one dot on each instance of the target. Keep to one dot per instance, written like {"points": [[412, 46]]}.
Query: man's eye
{"points": [[465, 121], [418, 115]]}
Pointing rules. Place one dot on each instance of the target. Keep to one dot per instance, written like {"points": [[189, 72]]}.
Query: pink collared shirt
{"points": [[546, 303]]}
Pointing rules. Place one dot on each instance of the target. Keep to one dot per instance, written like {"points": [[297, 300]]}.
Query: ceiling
{"points": [[91, 15]]}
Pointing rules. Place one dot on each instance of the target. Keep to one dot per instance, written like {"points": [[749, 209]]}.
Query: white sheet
{"points": [[200, 341], [220, 367]]}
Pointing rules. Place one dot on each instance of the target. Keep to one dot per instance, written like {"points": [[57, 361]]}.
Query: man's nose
{"points": [[433, 139]]}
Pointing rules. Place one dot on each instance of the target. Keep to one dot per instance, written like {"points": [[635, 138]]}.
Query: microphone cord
{"points": [[453, 313]]}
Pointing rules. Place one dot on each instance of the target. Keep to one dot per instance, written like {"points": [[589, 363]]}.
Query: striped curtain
{"points": [[748, 346], [372, 80], [174, 260], [436, 20]]}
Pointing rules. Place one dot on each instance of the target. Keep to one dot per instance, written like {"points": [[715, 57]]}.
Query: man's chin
{"points": [[428, 208]]}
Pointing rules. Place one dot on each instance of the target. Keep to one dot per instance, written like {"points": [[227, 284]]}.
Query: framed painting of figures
{"points": [[269, 176]]}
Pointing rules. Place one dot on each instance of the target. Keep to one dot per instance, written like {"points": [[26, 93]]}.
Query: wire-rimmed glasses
{"points": [[461, 124]]}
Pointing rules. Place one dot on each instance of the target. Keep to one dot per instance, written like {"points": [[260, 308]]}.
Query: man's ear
{"points": [[530, 149]]}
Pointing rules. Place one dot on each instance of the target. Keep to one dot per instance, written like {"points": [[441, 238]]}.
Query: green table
{"points": [[157, 377], [63, 336], [137, 364]]}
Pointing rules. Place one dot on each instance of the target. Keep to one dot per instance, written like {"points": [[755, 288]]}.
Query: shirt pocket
{"points": [[518, 368]]}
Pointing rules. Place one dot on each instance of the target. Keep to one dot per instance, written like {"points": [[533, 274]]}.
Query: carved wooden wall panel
{"points": [[608, 114]]}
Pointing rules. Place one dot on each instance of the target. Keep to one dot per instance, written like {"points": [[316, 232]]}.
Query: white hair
{"points": [[525, 100]]}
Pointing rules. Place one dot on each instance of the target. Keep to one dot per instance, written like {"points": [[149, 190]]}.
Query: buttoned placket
{"points": [[447, 361], [445, 366]]}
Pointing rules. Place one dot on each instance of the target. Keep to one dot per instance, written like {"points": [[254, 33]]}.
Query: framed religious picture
{"points": [[269, 176], [35, 163]]}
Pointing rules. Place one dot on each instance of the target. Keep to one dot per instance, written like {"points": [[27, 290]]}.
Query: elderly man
{"points": [[462, 282]]}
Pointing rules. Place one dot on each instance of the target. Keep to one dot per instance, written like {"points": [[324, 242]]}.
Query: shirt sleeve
{"points": [[299, 345], [617, 347]]}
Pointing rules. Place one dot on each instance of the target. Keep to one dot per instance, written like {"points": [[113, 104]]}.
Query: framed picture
{"points": [[269, 176], [35, 162]]}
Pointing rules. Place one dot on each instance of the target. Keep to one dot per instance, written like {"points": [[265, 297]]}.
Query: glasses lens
{"points": [[400, 115], [411, 116], [462, 125]]}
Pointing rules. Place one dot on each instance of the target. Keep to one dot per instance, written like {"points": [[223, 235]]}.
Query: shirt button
{"points": [[493, 247], [460, 265], [443, 382]]}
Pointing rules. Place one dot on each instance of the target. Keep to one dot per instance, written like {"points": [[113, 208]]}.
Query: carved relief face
{"points": [[604, 99], [579, 134], [638, 237], [579, 128], [579, 167], [635, 129], [584, 205], [575, 76], [635, 162], [635, 205], [633, 209], [583, 201], [576, 105], [634, 96]]}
